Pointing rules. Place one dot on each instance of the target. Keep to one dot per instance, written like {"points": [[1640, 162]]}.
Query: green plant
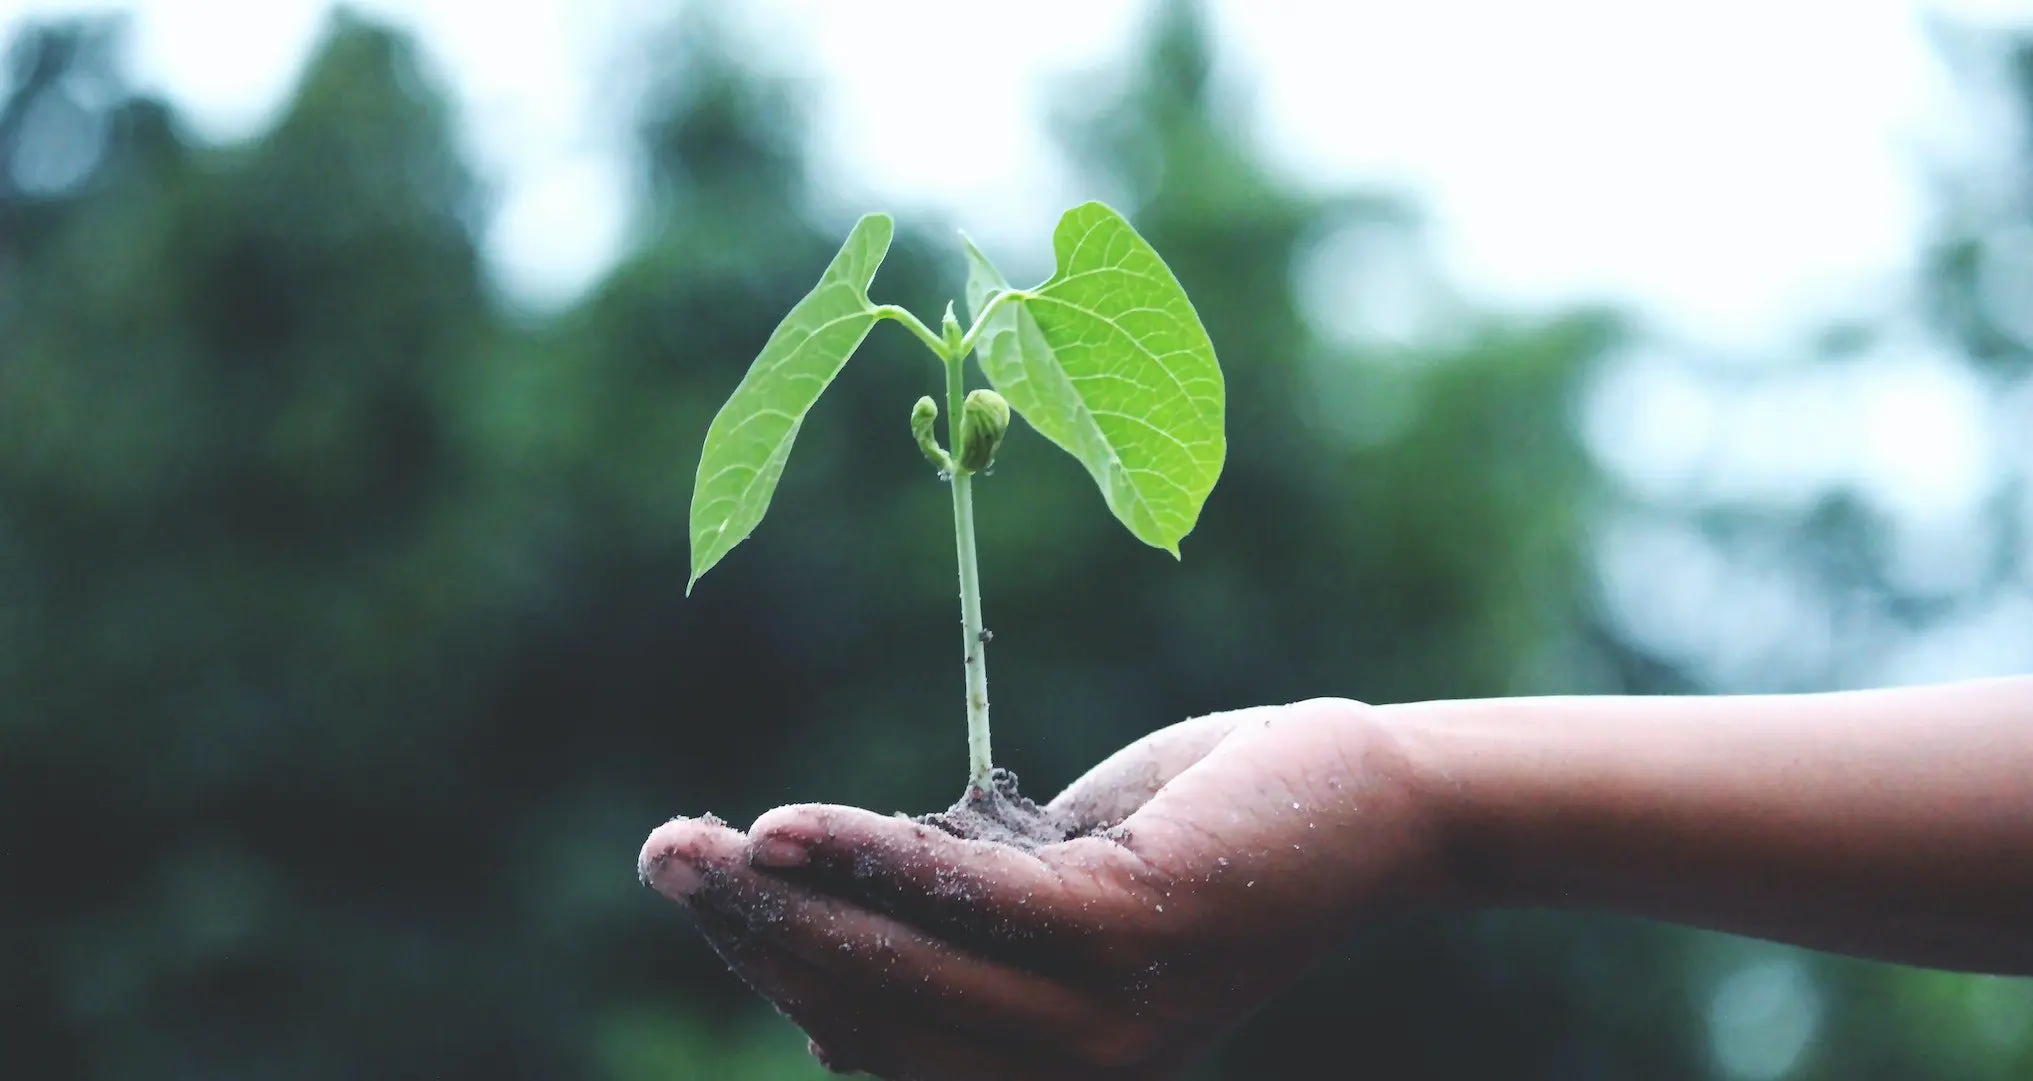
{"points": [[1107, 359]]}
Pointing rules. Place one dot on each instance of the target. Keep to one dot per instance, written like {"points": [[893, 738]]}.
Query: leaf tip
{"points": [[1093, 206], [880, 229]]}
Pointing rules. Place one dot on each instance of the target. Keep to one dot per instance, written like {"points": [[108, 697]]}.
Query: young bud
{"points": [[922, 416], [984, 419], [949, 328]]}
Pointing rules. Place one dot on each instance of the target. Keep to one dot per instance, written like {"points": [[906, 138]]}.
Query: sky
{"points": [[1786, 181]]}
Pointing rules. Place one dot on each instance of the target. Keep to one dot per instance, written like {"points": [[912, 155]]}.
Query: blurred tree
{"points": [[342, 632], [241, 609], [1980, 274]]}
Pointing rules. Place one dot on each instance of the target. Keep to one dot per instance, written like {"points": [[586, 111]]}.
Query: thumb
{"points": [[1123, 782]]}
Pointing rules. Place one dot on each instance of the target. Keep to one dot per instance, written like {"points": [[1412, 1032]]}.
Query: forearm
{"points": [[1891, 824]]}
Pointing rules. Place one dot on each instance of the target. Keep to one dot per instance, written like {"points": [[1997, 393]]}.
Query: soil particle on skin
{"points": [[1003, 815]]}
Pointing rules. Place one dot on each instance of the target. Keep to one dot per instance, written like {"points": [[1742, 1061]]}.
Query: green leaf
{"points": [[1108, 360], [750, 438]]}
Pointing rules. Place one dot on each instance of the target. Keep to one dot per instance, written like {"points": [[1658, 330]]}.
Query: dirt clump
{"points": [[1003, 815]]}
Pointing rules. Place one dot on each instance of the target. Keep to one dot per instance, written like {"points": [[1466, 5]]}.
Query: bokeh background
{"points": [[344, 656]]}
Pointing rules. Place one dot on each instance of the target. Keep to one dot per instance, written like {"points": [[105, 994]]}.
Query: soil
{"points": [[1004, 815]]}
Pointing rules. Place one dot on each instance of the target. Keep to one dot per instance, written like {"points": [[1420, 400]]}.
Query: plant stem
{"points": [[911, 323], [979, 763], [994, 304]]}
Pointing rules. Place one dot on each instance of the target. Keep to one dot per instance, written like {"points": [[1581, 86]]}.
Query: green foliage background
{"points": [[344, 659]]}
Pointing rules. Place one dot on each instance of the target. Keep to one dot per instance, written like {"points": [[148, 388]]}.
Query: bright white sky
{"points": [[1739, 167]]}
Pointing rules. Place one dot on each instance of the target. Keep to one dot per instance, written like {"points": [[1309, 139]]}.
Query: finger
{"points": [[900, 969], [676, 861], [871, 956], [980, 894], [834, 1020], [1125, 780], [675, 856], [1276, 775], [859, 1033]]}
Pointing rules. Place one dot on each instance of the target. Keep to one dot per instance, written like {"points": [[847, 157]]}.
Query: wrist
{"points": [[1405, 835], [1447, 769]]}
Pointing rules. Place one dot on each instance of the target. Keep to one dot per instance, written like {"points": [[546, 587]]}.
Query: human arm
{"points": [[1893, 824]]}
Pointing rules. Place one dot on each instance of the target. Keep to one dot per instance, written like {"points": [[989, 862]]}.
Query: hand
{"points": [[1221, 857]]}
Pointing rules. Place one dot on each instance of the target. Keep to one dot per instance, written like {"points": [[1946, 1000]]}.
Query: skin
{"points": [[1235, 849]]}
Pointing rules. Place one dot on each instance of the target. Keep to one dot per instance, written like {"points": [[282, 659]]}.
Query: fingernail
{"points": [[678, 880], [669, 874], [779, 852], [662, 869]]}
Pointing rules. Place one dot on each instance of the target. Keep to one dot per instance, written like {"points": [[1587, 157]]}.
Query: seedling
{"points": [[1107, 359]]}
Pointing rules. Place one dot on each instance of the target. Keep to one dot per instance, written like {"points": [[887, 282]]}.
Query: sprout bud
{"points": [[984, 419], [922, 416], [949, 328]]}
